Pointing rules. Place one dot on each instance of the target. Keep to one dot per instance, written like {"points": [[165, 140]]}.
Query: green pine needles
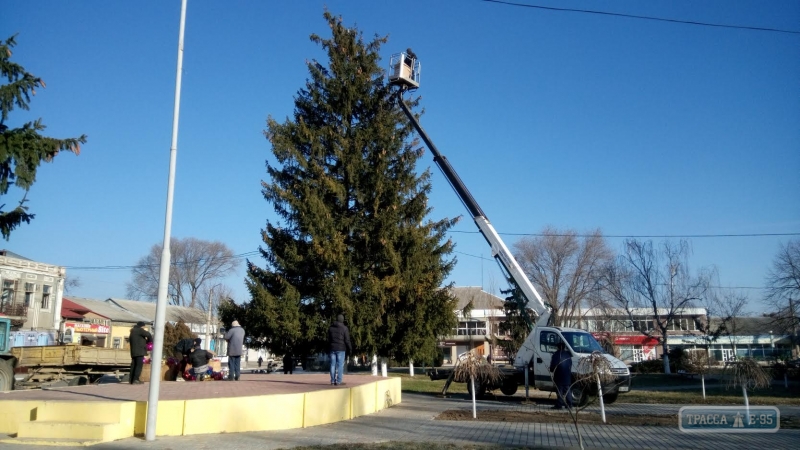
{"points": [[354, 237], [22, 149]]}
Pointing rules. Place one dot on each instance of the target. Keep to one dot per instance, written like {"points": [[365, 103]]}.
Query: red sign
{"points": [[88, 328], [635, 340]]}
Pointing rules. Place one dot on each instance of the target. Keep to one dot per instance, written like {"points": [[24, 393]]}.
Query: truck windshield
{"points": [[582, 342]]}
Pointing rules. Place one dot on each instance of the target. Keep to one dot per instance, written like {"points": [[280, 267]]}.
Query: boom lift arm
{"points": [[500, 252]]}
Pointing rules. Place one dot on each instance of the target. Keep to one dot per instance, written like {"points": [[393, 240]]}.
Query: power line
{"points": [[634, 16], [640, 236], [714, 287], [173, 263]]}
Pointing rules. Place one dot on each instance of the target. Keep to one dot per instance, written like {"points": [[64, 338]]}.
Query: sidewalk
{"points": [[412, 421]]}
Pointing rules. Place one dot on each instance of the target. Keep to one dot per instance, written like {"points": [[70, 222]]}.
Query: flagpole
{"points": [[163, 279]]}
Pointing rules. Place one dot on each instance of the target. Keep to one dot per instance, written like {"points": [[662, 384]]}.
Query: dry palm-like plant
{"points": [[747, 374], [596, 368], [475, 370]]}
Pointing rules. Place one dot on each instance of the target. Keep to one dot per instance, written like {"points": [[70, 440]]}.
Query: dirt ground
{"points": [[494, 415]]}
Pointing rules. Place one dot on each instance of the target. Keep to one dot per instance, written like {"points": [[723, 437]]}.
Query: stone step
{"points": [[47, 430], [56, 442]]}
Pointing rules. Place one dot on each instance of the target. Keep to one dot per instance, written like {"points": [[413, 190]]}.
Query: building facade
{"points": [[31, 297], [477, 327]]}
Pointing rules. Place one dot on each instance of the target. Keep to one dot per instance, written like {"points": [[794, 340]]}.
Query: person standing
{"points": [[138, 340], [288, 363], [235, 338], [561, 366], [338, 342], [260, 360]]}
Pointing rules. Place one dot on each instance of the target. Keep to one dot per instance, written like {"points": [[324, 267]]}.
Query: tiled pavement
{"points": [[412, 421]]}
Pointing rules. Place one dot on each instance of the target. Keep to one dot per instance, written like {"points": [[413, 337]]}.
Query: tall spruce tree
{"points": [[22, 149], [353, 236]]}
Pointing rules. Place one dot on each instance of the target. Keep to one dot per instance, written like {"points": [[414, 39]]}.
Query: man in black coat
{"points": [[561, 366], [338, 342], [138, 340], [199, 359]]}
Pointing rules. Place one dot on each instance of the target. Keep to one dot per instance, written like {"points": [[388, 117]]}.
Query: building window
{"points": [[45, 297], [117, 342], [471, 328], [30, 291], [9, 288]]}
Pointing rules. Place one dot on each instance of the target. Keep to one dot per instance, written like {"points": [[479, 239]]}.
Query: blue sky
{"points": [[574, 120]]}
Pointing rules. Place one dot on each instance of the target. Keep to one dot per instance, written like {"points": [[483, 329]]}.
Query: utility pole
{"points": [[795, 350], [208, 317]]}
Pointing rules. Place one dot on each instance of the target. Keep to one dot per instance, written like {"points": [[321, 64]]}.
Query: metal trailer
{"points": [[57, 365]]}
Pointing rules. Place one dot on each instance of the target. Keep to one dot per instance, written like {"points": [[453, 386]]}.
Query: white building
{"points": [[31, 298]]}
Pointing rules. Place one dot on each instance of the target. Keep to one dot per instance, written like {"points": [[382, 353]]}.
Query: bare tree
{"points": [[783, 289], [566, 267], [71, 283], [195, 263], [656, 280]]}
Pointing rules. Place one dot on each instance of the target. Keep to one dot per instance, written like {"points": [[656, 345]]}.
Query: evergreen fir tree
{"points": [[22, 149], [353, 236], [518, 322]]}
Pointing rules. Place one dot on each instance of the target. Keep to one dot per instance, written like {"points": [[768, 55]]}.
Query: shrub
{"points": [[649, 366]]}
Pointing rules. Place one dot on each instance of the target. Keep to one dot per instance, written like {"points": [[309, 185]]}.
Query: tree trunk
{"points": [[411, 367], [746, 404], [374, 365], [665, 355], [474, 409], [703, 383], [600, 397]]}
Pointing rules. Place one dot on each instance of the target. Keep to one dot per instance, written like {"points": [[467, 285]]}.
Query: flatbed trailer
{"points": [[62, 365]]}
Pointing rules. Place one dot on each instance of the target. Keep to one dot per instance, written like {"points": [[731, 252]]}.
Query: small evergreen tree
{"points": [[353, 236], [517, 324], [22, 149], [172, 334]]}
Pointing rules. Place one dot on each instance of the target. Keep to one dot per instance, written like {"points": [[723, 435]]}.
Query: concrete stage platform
{"points": [[85, 415]]}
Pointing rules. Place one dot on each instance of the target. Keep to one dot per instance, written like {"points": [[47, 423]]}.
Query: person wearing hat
{"points": [[235, 338], [138, 339], [561, 366], [338, 342], [199, 359]]}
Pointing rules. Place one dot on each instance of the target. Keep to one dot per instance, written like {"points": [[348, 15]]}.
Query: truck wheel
{"points": [[610, 398], [480, 390], [6, 376], [509, 387], [579, 396]]}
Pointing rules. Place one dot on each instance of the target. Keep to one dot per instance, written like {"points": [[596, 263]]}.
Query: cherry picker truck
{"points": [[536, 351]]}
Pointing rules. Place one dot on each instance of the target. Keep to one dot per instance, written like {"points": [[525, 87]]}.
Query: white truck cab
{"points": [[540, 346]]}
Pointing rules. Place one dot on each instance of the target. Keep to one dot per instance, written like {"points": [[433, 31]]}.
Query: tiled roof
{"points": [[11, 254], [174, 313], [480, 298], [109, 310], [72, 310]]}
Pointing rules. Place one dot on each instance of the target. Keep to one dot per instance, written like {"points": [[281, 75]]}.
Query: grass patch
{"points": [[421, 384], [717, 395], [648, 380], [403, 446]]}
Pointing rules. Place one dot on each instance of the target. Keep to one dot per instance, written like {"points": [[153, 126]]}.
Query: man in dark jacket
{"points": [[338, 342], [138, 340], [199, 359], [235, 338], [561, 366]]}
